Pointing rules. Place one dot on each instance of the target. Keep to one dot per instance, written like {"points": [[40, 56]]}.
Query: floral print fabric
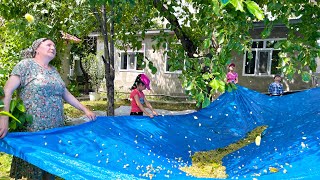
{"points": [[41, 91]]}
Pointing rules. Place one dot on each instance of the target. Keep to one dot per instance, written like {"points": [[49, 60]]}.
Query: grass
{"points": [[5, 164]]}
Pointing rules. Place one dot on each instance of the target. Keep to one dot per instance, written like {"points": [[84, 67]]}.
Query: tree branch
{"points": [[186, 42]]}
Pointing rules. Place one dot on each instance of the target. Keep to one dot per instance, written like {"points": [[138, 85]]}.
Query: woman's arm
{"points": [[150, 107], [69, 98], [136, 98], [11, 85]]}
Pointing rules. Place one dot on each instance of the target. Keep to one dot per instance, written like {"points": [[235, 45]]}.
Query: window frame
{"points": [[258, 50], [128, 52]]}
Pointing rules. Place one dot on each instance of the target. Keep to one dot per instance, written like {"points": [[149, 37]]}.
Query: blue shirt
{"points": [[275, 88]]}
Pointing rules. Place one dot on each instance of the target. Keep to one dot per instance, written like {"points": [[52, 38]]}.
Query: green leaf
{"points": [[238, 4], [206, 102], [206, 43], [306, 77], [229, 87], [189, 86], [1, 91], [214, 84], [154, 70], [222, 86], [233, 86], [2, 71], [198, 103], [21, 107], [266, 32], [216, 7], [1, 104], [200, 97], [206, 76], [13, 125], [254, 9], [13, 104], [216, 73], [221, 39], [278, 44], [5, 113]]}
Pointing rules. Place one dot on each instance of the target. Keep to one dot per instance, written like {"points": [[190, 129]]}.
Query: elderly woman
{"points": [[42, 90]]}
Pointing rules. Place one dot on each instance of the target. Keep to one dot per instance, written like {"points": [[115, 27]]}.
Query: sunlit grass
{"points": [[5, 165]]}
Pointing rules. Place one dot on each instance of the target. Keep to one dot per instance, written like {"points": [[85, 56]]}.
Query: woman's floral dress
{"points": [[41, 91]]}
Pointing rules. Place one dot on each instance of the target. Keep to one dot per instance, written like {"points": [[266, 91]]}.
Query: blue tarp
{"points": [[134, 147]]}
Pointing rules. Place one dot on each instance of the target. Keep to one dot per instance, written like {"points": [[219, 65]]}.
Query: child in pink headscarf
{"points": [[138, 98], [232, 77]]}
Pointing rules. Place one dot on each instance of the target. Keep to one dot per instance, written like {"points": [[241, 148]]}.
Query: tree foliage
{"points": [[50, 18], [210, 31], [207, 33]]}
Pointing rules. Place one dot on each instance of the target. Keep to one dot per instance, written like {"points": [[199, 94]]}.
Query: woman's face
{"points": [[231, 68], [47, 49]]}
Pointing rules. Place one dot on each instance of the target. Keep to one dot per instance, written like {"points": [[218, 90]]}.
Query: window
{"points": [[265, 59], [173, 65], [132, 60]]}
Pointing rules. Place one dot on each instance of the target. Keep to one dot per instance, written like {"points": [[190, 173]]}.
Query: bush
{"points": [[18, 118]]}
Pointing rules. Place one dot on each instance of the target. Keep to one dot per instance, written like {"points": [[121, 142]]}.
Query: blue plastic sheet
{"points": [[134, 147]]}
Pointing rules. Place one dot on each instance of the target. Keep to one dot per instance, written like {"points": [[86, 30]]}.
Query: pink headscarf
{"points": [[146, 81]]}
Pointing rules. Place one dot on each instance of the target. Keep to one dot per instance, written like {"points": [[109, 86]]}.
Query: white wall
{"points": [[162, 83]]}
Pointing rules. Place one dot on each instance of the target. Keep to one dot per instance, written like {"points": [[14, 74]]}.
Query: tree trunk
{"points": [[108, 57], [86, 78], [109, 70], [65, 63], [110, 82]]}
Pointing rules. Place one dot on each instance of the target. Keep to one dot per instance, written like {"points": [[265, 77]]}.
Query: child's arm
{"points": [[136, 98], [226, 79], [236, 80], [150, 107]]}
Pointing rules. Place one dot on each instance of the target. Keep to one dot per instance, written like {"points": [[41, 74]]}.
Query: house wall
{"points": [[261, 83], [162, 83]]}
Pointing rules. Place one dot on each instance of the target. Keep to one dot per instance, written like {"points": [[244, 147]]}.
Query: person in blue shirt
{"points": [[276, 88]]}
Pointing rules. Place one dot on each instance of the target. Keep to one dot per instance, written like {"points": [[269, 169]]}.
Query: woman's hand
{"points": [[4, 122], [91, 115], [69, 98]]}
